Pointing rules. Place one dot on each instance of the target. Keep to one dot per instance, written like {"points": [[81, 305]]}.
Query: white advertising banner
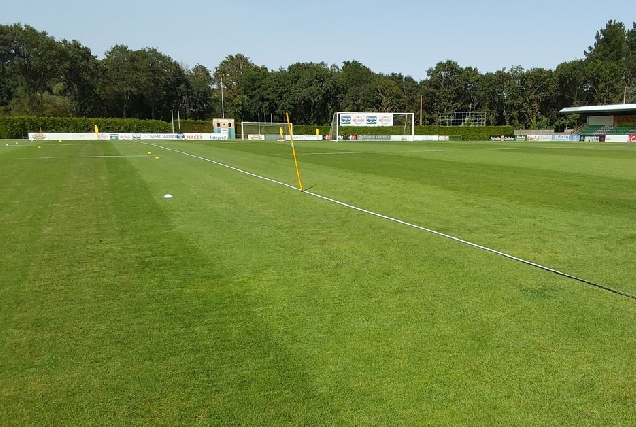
{"points": [[431, 138], [617, 138], [542, 138], [401, 138], [366, 119], [305, 137], [40, 136], [103, 136]]}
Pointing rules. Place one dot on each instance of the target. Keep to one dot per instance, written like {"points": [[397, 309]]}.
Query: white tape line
{"points": [[408, 224]]}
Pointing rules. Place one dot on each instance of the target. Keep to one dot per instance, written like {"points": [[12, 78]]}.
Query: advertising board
{"points": [[366, 119]]}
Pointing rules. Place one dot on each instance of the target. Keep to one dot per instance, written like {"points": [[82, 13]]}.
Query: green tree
{"points": [[411, 92], [603, 82], [450, 88], [501, 95], [199, 95], [80, 75], [570, 77], [314, 90], [9, 83], [390, 95], [538, 103], [610, 43], [119, 87], [359, 91], [34, 61], [161, 84], [227, 77], [630, 64]]}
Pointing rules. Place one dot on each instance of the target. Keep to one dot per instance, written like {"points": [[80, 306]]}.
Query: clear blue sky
{"points": [[407, 37]]}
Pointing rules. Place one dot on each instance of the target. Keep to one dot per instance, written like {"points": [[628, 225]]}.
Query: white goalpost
{"points": [[264, 131], [402, 126]]}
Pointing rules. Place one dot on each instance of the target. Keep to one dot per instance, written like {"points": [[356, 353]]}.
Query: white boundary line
{"points": [[399, 221]]}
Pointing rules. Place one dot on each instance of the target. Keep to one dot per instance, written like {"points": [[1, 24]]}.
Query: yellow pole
{"points": [[291, 138]]}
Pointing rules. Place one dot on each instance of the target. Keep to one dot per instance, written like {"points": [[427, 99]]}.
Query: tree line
{"points": [[42, 76]]}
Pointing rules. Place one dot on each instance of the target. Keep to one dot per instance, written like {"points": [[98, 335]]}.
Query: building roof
{"points": [[600, 109]]}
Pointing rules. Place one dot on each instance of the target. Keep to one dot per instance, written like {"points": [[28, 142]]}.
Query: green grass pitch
{"points": [[243, 302]]}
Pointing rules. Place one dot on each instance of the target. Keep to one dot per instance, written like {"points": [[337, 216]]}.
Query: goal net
{"points": [[369, 126], [264, 131]]}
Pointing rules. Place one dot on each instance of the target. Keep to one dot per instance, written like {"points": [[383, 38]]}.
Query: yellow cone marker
{"points": [[156, 157], [149, 152]]}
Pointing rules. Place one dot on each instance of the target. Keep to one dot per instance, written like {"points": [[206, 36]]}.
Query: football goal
{"points": [[262, 131], [365, 126]]}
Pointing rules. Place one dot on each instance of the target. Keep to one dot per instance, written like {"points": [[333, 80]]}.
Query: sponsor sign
{"points": [[62, 136], [305, 137], [253, 137], [359, 120], [632, 138], [617, 138], [430, 138], [543, 138], [366, 119], [385, 119], [161, 136], [401, 138], [125, 136], [560, 137], [374, 137], [551, 137]]}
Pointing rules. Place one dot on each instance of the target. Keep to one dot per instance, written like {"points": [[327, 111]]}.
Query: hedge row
{"points": [[19, 127], [196, 126], [467, 133]]}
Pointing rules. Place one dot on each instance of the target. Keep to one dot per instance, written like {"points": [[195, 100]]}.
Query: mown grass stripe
{"points": [[419, 227]]}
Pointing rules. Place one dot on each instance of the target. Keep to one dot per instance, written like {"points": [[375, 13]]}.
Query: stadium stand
{"points": [[622, 130], [592, 130]]}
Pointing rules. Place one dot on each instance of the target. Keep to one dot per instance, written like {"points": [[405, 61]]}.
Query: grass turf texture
{"points": [[242, 302]]}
